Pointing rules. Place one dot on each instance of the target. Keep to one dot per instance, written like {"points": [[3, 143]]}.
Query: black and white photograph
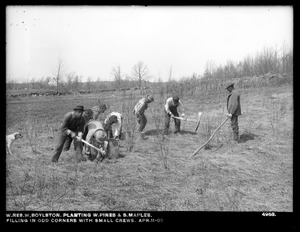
{"points": [[120, 113]]}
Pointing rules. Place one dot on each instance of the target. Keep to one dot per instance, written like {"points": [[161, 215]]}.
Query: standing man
{"points": [[234, 109], [139, 111], [170, 111], [71, 127], [113, 125]]}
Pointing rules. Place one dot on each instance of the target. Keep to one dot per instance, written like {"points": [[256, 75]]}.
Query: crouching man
{"points": [[113, 125], [96, 135], [72, 126], [139, 112]]}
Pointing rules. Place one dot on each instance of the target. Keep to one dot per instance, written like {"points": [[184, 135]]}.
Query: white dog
{"points": [[10, 139]]}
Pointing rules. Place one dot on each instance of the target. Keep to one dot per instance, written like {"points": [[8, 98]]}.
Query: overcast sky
{"points": [[91, 40]]}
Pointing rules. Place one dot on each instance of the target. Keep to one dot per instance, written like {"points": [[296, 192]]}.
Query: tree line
{"points": [[269, 60], [61, 81]]}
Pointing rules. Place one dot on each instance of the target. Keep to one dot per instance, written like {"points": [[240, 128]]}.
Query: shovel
{"points": [[191, 120]]}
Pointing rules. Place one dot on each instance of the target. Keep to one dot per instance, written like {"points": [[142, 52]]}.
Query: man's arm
{"points": [[81, 126], [64, 126], [167, 106], [233, 103]]}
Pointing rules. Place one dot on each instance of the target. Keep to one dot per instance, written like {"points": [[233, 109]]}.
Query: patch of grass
{"points": [[156, 174]]}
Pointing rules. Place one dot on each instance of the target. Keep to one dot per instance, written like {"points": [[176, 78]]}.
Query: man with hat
{"points": [[71, 127], [139, 112], [170, 111], [234, 109]]}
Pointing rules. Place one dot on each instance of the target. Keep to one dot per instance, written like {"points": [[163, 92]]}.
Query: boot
{"points": [[141, 135], [54, 159], [177, 132], [236, 137]]}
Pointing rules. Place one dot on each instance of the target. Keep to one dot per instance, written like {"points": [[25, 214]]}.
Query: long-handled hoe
{"points": [[191, 120], [209, 138], [96, 148]]}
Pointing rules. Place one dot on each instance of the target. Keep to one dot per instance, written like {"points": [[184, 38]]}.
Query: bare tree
{"points": [[58, 73], [77, 82], [116, 73], [140, 72], [209, 69], [11, 84], [98, 83], [32, 83], [247, 66], [88, 83], [170, 74], [70, 77]]}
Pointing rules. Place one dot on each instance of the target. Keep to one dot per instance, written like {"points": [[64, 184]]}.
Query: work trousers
{"points": [[142, 121], [235, 127], [167, 122], [64, 144]]}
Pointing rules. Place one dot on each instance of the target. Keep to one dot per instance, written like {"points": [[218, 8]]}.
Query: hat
{"points": [[150, 98], [100, 135], [228, 85], [81, 108], [176, 98]]}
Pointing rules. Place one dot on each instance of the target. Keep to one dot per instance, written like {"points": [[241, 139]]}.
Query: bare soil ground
{"points": [[157, 174]]}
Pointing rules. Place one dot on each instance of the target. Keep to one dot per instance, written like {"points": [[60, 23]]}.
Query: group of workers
{"points": [[85, 124]]}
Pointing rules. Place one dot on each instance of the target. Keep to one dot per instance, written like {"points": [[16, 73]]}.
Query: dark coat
{"points": [[233, 103], [72, 123]]}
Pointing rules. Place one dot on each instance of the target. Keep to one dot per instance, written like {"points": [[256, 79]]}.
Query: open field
{"points": [[255, 175]]}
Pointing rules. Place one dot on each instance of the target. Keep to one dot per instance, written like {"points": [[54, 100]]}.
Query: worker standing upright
{"points": [[234, 109]]}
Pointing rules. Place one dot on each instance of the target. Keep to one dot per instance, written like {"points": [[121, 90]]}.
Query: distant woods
{"points": [[271, 60]]}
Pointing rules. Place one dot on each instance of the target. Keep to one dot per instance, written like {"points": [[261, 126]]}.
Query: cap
{"points": [[100, 135], [150, 98], [229, 84]]}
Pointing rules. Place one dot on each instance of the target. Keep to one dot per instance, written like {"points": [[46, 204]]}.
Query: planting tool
{"points": [[87, 143], [191, 120], [209, 138], [100, 152]]}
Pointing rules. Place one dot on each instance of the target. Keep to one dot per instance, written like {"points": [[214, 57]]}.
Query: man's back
{"points": [[233, 103], [95, 125]]}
